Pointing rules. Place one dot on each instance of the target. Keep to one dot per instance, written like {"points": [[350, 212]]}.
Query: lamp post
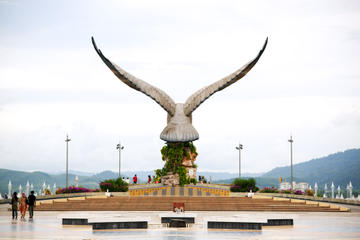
{"points": [[119, 147], [67, 140], [239, 148], [291, 159]]}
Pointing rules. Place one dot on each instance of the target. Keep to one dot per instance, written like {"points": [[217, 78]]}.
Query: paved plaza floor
{"points": [[314, 225]]}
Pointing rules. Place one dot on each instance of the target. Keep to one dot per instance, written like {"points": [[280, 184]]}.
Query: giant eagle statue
{"points": [[179, 120]]}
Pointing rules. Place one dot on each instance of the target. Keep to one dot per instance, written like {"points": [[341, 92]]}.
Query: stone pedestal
{"points": [[191, 172], [188, 163], [170, 179]]}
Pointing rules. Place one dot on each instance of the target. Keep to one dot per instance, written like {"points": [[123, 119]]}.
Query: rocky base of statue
{"points": [[179, 160], [170, 179], [190, 172]]}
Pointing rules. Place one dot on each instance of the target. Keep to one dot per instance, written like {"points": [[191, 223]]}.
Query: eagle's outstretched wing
{"points": [[201, 95], [158, 95]]}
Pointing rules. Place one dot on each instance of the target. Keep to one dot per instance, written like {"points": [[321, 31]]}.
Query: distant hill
{"points": [[341, 168]]}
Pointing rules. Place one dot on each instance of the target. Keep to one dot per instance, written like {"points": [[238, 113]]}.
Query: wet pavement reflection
{"points": [[47, 225]]}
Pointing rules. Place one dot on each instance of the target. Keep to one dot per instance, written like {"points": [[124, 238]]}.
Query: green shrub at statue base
{"points": [[114, 185], [244, 185], [173, 154]]}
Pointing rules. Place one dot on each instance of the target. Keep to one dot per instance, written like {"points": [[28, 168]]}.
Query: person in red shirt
{"points": [[135, 179], [149, 179]]}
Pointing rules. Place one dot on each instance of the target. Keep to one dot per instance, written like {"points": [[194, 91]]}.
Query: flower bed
{"points": [[269, 190], [286, 191], [298, 192], [75, 190]]}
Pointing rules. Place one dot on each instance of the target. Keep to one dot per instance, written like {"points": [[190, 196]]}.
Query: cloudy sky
{"points": [[52, 82]]}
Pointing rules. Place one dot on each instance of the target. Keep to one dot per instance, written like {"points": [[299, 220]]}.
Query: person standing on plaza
{"points": [[149, 179], [135, 179], [23, 205], [14, 205], [32, 204]]}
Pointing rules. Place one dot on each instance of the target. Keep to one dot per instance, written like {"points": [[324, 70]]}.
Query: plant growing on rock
{"points": [[174, 155]]}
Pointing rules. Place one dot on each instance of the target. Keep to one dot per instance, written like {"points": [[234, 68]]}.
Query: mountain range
{"points": [[340, 168]]}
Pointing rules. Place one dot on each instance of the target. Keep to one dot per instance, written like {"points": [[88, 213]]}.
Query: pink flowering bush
{"points": [[298, 192], [75, 190], [269, 190]]}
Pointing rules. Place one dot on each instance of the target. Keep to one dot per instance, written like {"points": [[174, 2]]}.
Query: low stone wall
{"points": [[219, 186], [319, 199], [147, 185], [301, 197], [238, 194]]}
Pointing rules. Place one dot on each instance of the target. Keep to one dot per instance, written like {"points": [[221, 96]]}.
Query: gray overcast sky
{"points": [[52, 82]]}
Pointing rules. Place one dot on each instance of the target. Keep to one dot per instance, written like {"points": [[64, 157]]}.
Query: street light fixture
{"points": [[67, 140], [239, 148], [119, 147], [291, 159]]}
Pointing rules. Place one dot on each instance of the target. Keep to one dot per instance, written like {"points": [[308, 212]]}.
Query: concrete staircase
{"points": [[165, 203]]}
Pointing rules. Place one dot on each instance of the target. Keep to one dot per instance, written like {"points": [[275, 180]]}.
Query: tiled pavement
{"points": [[47, 225]]}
